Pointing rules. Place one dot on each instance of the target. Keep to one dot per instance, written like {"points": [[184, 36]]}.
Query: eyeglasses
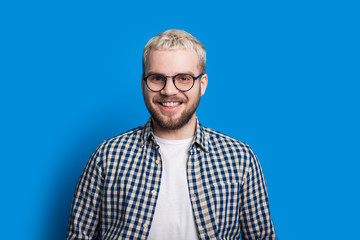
{"points": [[183, 82]]}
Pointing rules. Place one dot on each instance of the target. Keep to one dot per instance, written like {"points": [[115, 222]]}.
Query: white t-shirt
{"points": [[173, 217]]}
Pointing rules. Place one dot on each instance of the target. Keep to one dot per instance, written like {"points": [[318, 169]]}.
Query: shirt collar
{"points": [[147, 133], [201, 139]]}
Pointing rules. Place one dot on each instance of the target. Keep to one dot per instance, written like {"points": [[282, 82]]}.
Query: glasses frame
{"points": [[173, 79]]}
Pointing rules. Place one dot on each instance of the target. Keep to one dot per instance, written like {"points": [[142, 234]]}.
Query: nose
{"points": [[169, 88]]}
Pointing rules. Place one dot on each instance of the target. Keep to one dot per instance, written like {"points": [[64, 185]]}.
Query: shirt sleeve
{"points": [[85, 213], [255, 216]]}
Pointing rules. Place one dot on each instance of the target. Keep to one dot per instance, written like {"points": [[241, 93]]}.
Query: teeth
{"points": [[170, 104]]}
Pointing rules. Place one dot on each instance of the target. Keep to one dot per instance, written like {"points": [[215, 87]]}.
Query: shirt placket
{"points": [[153, 180], [206, 228]]}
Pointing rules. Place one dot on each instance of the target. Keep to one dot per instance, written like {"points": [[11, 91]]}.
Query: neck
{"points": [[185, 132]]}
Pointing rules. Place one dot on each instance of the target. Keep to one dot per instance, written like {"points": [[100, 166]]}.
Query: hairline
{"points": [[187, 42], [147, 61]]}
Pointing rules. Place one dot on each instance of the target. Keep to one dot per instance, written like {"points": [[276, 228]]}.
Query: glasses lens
{"points": [[156, 82], [184, 81]]}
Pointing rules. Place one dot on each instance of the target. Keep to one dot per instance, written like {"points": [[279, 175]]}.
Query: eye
{"points": [[156, 78], [183, 78]]}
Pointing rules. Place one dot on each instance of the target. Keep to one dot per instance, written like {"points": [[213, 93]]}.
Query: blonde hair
{"points": [[174, 39]]}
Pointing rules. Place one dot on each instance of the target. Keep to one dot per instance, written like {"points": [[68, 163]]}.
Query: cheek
{"points": [[200, 91], [194, 96], [147, 95]]}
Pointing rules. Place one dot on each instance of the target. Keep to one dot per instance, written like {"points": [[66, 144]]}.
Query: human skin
{"points": [[173, 112]]}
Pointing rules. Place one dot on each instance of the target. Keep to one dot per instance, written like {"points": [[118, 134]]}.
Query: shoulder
{"points": [[113, 150], [216, 137], [221, 144], [132, 137], [229, 153]]}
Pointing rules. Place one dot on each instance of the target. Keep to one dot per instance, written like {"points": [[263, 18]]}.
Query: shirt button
{"points": [[158, 162], [153, 192], [145, 226]]}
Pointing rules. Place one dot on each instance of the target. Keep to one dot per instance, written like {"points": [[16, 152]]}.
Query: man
{"points": [[172, 178]]}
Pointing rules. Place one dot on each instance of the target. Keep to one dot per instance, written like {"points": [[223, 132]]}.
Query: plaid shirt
{"points": [[115, 197]]}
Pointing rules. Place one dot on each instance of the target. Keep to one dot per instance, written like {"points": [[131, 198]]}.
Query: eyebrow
{"points": [[187, 72]]}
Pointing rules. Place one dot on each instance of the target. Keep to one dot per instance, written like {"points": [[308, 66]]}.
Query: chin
{"points": [[171, 124], [175, 121]]}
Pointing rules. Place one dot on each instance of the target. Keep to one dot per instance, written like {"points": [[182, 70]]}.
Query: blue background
{"points": [[283, 77]]}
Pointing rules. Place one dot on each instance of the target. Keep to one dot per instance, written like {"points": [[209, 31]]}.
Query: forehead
{"points": [[173, 61]]}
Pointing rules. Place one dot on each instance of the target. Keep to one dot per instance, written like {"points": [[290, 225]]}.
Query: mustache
{"points": [[169, 99]]}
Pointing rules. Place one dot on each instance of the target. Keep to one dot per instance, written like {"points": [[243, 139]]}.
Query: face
{"points": [[170, 108]]}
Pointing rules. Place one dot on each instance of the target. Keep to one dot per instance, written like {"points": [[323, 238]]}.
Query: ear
{"points": [[203, 83]]}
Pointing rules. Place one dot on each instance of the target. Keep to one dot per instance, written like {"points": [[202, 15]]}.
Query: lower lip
{"points": [[169, 109]]}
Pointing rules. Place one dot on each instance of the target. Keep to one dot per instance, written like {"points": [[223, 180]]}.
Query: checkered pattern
{"points": [[114, 198]]}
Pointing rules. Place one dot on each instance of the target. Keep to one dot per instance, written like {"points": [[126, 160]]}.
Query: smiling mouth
{"points": [[170, 104]]}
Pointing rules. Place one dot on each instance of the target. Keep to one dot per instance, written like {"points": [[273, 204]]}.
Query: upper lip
{"points": [[169, 100]]}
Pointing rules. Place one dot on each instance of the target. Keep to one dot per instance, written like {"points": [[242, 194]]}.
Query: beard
{"points": [[168, 122]]}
